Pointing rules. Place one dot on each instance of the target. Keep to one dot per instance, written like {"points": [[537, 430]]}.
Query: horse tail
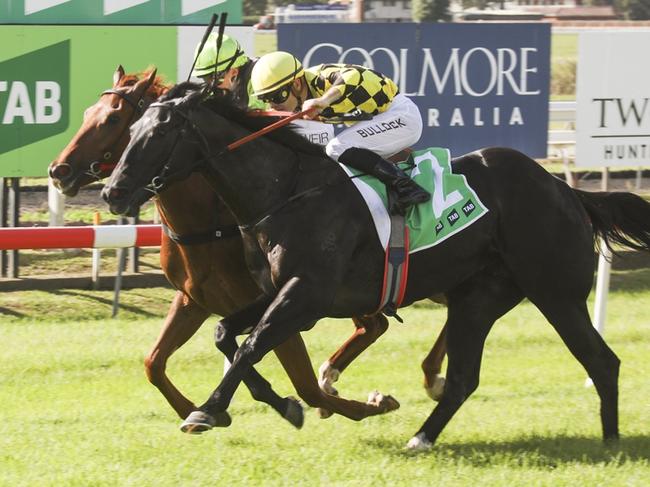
{"points": [[622, 218]]}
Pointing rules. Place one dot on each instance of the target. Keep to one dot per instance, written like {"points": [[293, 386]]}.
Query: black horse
{"points": [[312, 247]]}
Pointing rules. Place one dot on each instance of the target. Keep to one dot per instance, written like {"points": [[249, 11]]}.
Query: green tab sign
{"points": [[117, 11], [50, 74], [34, 96]]}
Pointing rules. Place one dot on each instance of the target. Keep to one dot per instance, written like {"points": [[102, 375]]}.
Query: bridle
{"points": [[98, 168], [159, 181]]}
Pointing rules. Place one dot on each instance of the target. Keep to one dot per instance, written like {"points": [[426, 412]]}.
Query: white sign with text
{"points": [[612, 92]]}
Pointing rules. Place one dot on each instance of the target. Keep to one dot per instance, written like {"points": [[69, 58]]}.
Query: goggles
{"points": [[215, 79], [276, 97]]}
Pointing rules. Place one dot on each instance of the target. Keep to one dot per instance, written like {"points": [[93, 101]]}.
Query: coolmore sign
{"points": [[50, 75], [613, 116], [116, 11], [476, 85]]}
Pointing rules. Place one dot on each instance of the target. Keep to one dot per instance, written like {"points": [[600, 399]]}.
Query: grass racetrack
{"points": [[76, 408]]}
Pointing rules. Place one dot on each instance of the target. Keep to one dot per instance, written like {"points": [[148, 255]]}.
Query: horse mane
{"points": [[156, 89], [224, 104]]}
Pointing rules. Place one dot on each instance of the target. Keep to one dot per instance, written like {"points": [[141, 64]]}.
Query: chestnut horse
{"points": [[536, 242], [202, 256]]}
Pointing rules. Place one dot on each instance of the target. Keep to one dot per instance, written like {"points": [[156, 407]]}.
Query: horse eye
{"points": [[113, 119]]}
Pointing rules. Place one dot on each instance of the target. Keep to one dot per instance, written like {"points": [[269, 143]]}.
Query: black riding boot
{"points": [[409, 193]]}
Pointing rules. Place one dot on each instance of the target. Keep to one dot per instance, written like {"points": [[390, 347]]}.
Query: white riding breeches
{"points": [[317, 132], [385, 134]]}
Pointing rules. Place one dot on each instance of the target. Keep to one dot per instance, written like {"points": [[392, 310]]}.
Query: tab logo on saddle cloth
{"points": [[453, 207]]}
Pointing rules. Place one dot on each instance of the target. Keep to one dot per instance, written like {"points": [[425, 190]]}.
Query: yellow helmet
{"points": [[231, 55], [273, 71]]}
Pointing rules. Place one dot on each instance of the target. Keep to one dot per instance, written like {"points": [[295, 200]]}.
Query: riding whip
{"points": [[213, 20], [222, 27]]}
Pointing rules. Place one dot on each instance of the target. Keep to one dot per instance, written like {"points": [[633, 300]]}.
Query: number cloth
{"points": [[453, 207]]}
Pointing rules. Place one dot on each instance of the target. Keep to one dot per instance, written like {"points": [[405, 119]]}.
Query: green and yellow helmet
{"points": [[273, 71], [231, 55]]}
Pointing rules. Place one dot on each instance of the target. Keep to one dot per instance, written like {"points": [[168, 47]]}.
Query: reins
{"points": [[158, 182], [268, 128]]}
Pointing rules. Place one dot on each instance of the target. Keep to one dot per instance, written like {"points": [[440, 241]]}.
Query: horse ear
{"points": [[143, 85], [117, 75], [150, 79]]}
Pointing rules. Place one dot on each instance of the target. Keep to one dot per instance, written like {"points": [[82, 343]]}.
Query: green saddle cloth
{"points": [[453, 206]]}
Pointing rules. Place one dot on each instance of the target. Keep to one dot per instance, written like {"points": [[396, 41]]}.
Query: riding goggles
{"points": [[215, 79], [276, 97]]}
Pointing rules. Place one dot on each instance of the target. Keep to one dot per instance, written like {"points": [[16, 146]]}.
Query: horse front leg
{"points": [[367, 330], [183, 319], [300, 302], [226, 332], [295, 359]]}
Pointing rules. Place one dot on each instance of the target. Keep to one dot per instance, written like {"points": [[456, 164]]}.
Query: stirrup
{"points": [[410, 193]]}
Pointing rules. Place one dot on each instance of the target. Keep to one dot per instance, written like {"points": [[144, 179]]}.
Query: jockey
{"points": [[333, 90], [233, 74]]}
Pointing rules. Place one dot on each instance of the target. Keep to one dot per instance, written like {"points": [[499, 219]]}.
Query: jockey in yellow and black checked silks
{"points": [[361, 88]]}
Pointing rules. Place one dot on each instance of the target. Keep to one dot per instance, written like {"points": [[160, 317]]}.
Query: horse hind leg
{"points": [[295, 359], [571, 321], [434, 382], [474, 306]]}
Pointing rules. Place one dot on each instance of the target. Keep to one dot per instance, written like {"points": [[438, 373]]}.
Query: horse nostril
{"points": [[60, 171], [113, 195]]}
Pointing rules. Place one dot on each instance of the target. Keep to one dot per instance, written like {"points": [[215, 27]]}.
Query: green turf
{"points": [[77, 410]]}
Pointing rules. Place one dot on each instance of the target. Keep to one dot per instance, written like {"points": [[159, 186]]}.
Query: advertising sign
{"points": [[612, 93], [476, 85], [50, 75], [34, 106], [117, 11]]}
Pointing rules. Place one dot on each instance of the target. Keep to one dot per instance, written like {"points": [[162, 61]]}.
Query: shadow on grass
{"points": [[630, 271], [11, 312], [108, 302], [532, 451]]}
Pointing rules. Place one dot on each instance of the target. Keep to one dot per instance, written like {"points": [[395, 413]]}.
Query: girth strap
{"points": [[203, 237], [395, 265]]}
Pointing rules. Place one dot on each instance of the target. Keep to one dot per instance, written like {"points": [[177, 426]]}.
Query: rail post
{"points": [[13, 220], [96, 256]]}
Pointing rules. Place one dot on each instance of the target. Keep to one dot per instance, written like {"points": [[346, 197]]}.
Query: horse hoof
{"points": [[383, 402], [419, 443], [294, 413], [323, 413], [199, 421], [437, 389]]}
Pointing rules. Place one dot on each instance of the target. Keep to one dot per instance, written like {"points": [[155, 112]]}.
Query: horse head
{"points": [[104, 133], [194, 132], [159, 150]]}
